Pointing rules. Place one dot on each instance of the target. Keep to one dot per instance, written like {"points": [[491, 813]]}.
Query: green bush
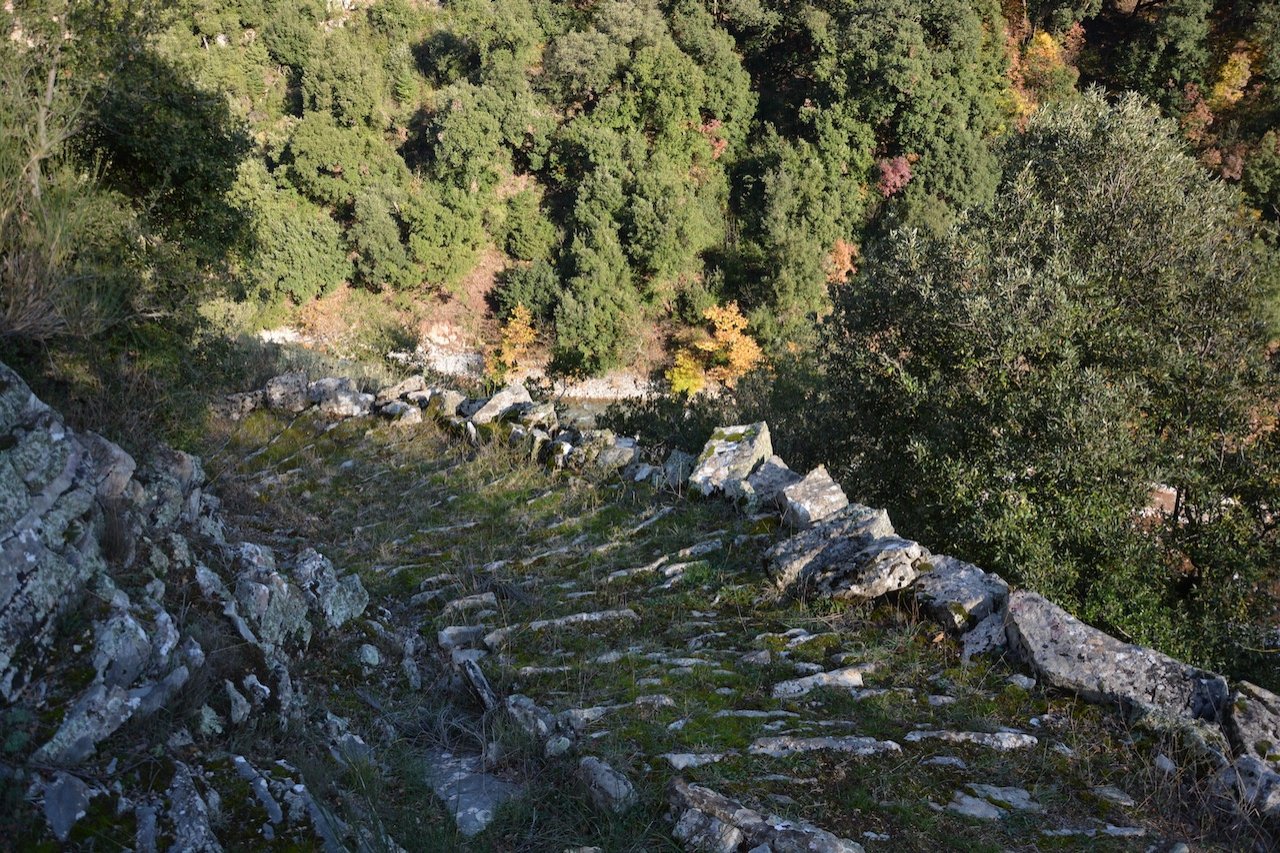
{"points": [[528, 235], [535, 286], [1013, 387]]}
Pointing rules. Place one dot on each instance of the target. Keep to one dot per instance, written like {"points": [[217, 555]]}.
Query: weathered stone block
{"points": [[729, 457], [814, 498], [1072, 655]]}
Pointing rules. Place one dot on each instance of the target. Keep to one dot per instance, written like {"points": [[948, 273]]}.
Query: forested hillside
{"points": [[1004, 266]]}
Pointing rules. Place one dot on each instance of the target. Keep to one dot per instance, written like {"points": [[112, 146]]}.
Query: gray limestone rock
{"points": [[400, 390], [782, 746], [795, 562], [707, 821], [814, 498], [444, 403], [958, 595], [501, 404], [288, 392], [239, 406], [881, 565], [769, 479], [189, 815], [93, 718], [240, 707], [338, 397], [540, 416], [618, 455], [66, 799], [121, 649], [1072, 655], [608, 789], [1249, 786], [337, 599], [468, 793], [677, 468], [1252, 723], [531, 717], [729, 457], [987, 637]]}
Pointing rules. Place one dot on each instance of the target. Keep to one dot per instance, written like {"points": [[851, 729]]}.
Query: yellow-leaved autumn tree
{"points": [[725, 356], [517, 336]]}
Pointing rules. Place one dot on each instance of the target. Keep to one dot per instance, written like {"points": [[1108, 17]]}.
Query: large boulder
{"points": [[1252, 724], [814, 498], [499, 405], [288, 392], [1072, 655], [813, 552], [729, 457], [958, 595], [880, 566]]}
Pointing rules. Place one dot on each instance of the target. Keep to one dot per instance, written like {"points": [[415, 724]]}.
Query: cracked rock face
{"points": [[814, 498], [1072, 655]]}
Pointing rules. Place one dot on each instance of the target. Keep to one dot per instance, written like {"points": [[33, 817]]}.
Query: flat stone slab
{"points": [[495, 639], [468, 793], [784, 745], [1000, 741], [958, 595], [814, 498], [1072, 655], [729, 457], [850, 676]]}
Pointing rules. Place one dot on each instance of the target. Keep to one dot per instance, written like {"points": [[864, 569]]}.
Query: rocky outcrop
{"points": [[1069, 654]]}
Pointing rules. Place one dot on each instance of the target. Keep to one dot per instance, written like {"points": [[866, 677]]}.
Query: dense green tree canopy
{"points": [[1016, 385]]}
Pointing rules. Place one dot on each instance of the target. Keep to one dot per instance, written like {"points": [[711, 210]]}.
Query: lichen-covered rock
{"points": [[707, 821], [288, 392], [729, 457], [444, 403], [1252, 722], [189, 814], [338, 397], [236, 407], [814, 498], [501, 404], [958, 595], [769, 479], [1249, 786], [881, 566], [276, 609], [608, 789], [338, 599], [618, 455], [797, 560], [1072, 655], [92, 719], [66, 799]]}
